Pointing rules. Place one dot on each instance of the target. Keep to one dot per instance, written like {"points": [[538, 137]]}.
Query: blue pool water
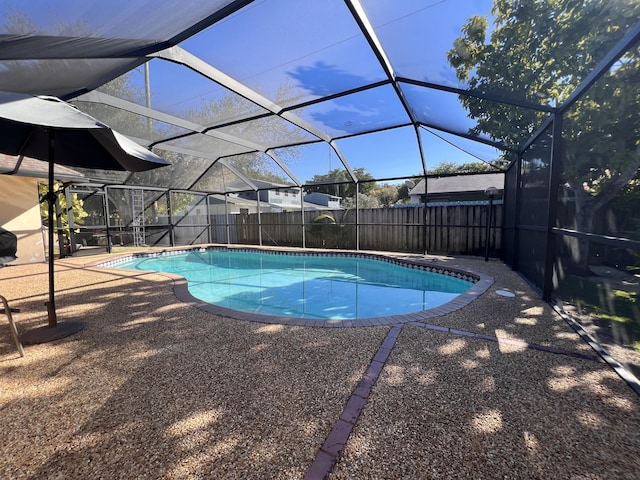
{"points": [[305, 286]]}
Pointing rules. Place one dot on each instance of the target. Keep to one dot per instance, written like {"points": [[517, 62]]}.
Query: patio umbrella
{"points": [[49, 129]]}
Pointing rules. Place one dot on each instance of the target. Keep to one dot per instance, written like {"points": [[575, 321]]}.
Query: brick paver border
{"points": [[330, 451]]}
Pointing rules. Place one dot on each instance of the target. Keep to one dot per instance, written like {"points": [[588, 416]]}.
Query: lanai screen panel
{"points": [[219, 178], [270, 132], [177, 90], [277, 74], [363, 111], [510, 215], [207, 145], [61, 47], [183, 172], [113, 177], [54, 77], [290, 51], [444, 111], [441, 147], [601, 134], [378, 154], [139, 126], [259, 166], [417, 34], [533, 212], [311, 161]]}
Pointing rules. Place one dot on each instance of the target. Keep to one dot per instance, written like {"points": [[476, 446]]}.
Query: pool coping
{"points": [[481, 282]]}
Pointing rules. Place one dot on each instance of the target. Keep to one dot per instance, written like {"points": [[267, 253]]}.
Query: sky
{"points": [[313, 62], [294, 51]]}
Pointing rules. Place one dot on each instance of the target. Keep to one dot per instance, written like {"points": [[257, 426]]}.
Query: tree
{"points": [[40, 72], [364, 201], [266, 130], [543, 50], [445, 168], [77, 209], [386, 194], [338, 182], [406, 187]]}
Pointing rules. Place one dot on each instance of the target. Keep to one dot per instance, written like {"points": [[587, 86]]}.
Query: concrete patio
{"points": [[155, 388]]}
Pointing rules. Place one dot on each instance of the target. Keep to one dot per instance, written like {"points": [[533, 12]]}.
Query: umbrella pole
{"points": [[53, 330], [51, 304]]}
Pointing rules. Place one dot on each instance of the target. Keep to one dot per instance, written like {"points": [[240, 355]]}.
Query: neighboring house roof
{"points": [[239, 201], [31, 167], [263, 184], [235, 200], [321, 194], [477, 182]]}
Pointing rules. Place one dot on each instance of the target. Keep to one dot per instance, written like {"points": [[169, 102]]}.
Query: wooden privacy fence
{"points": [[447, 229]]}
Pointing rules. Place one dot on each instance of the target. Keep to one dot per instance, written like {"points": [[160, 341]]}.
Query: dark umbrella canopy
{"points": [[49, 129], [26, 123]]}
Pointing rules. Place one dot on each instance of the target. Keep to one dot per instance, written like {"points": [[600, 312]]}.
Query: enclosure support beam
{"points": [[424, 173], [172, 238], [107, 227], [226, 218], [259, 218], [209, 226], [369, 33], [270, 153], [304, 237], [357, 216]]}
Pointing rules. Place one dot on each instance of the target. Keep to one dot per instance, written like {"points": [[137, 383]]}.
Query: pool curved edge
{"points": [[180, 288]]}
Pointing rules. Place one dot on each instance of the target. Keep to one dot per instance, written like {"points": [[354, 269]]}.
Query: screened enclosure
{"points": [[309, 124]]}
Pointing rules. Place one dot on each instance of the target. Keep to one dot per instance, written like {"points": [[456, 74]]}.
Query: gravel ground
{"points": [[522, 317], [452, 407], [153, 388]]}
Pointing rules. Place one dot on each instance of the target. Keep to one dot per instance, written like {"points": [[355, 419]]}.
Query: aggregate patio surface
{"points": [[156, 388]]}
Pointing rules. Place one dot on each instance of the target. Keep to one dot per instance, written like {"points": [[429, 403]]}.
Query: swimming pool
{"points": [[329, 286]]}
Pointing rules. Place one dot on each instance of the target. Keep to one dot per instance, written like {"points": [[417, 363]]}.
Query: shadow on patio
{"points": [[156, 389]]}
